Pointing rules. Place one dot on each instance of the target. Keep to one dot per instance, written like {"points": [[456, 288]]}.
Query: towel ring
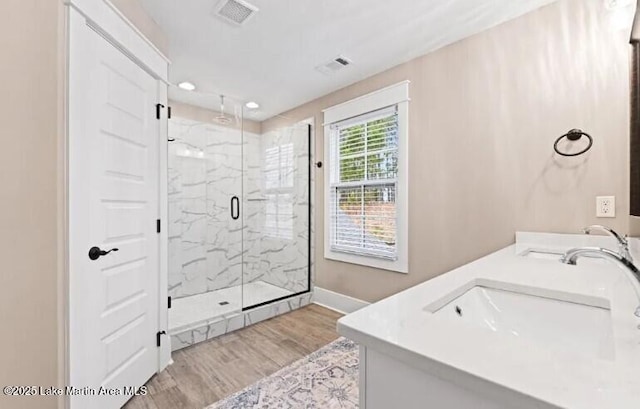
{"points": [[573, 135]]}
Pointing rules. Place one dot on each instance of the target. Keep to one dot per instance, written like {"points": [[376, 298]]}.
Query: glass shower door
{"points": [[239, 210], [205, 226], [277, 214], [224, 193]]}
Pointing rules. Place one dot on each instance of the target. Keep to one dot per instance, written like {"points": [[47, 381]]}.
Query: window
{"points": [[366, 194], [363, 184]]}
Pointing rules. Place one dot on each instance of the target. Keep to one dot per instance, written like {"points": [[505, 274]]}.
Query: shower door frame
{"points": [[309, 122]]}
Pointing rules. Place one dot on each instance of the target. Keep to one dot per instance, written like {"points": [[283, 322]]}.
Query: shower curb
{"points": [[231, 322]]}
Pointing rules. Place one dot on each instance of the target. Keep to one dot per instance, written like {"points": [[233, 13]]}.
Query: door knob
{"points": [[95, 252]]}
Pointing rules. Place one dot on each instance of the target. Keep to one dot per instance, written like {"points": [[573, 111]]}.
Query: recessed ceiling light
{"points": [[187, 86], [252, 105]]}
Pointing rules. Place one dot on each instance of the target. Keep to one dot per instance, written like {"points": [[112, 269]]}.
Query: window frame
{"points": [[394, 95]]}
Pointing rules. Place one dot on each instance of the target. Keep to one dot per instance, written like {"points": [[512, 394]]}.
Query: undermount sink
{"points": [[550, 322], [542, 253]]}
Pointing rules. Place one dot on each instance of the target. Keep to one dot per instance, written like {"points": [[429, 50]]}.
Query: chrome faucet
{"points": [[571, 257], [623, 243]]}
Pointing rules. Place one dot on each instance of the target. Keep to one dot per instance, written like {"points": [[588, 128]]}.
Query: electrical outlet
{"points": [[606, 206]]}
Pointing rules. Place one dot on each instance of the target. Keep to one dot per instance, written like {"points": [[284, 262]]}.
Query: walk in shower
{"points": [[239, 213]]}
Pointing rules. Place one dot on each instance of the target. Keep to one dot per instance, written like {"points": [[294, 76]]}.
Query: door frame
{"points": [[103, 17]]}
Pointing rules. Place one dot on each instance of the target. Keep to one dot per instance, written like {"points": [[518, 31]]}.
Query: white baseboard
{"points": [[336, 301]]}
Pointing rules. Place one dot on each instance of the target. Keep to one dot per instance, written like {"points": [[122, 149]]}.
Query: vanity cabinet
{"points": [[508, 330], [386, 382]]}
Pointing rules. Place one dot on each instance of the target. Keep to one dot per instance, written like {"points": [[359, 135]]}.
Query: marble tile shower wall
{"points": [[208, 164]]}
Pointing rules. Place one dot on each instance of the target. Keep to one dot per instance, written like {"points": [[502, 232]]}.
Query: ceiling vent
{"points": [[334, 65], [236, 12]]}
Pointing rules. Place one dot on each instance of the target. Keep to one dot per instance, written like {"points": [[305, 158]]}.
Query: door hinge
{"points": [[159, 337], [168, 112], [158, 108], [158, 226], [169, 303]]}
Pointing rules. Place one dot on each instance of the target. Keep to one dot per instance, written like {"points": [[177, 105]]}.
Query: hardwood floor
{"points": [[209, 371]]}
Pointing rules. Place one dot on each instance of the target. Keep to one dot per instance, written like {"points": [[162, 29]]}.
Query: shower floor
{"points": [[194, 309]]}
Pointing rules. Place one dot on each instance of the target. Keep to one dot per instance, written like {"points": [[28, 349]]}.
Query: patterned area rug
{"points": [[326, 379]]}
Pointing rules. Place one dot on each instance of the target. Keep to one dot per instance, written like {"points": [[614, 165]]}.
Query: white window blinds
{"points": [[363, 184]]}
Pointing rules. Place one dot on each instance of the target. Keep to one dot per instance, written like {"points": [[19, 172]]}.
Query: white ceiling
{"points": [[271, 59]]}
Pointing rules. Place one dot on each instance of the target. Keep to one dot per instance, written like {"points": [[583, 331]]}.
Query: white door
{"points": [[113, 204]]}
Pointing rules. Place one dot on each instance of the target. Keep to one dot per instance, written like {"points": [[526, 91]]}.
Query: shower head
{"points": [[222, 118]]}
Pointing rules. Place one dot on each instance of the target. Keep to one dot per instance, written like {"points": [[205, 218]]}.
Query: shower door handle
{"points": [[235, 207]]}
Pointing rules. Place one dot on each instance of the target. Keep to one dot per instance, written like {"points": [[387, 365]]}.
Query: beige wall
{"points": [[31, 207], [133, 10], [30, 71], [634, 226], [484, 114]]}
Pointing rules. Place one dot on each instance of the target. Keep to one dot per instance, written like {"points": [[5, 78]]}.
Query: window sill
{"points": [[398, 266]]}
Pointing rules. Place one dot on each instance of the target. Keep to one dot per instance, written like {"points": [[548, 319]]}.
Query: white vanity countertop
{"points": [[401, 327]]}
